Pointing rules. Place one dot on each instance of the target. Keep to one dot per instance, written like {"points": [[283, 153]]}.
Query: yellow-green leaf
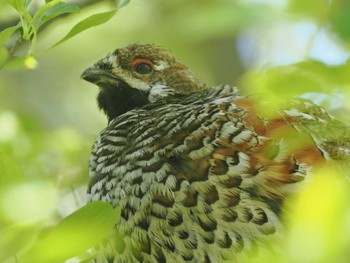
{"points": [[74, 234], [6, 33], [91, 21]]}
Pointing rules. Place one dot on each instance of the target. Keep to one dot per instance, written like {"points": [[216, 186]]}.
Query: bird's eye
{"points": [[142, 66]]}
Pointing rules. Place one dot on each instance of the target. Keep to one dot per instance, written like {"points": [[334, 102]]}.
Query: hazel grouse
{"points": [[199, 174]]}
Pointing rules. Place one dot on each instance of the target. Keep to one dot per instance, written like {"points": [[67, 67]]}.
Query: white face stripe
{"points": [[160, 65], [159, 91], [110, 59], [138, 84]]}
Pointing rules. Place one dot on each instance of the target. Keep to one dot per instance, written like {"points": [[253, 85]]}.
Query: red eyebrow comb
{"points": [[138, 60]]}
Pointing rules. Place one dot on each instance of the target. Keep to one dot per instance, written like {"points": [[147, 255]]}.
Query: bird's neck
{"points": [[119, 100]]}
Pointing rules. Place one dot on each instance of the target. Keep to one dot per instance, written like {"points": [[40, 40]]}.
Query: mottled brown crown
{"points": [[171, 72]]}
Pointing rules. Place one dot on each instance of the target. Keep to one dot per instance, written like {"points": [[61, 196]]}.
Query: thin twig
{"points": [[322, 20], [14, 48]]}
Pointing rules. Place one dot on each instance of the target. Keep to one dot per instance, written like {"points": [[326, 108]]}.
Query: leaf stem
{"points": [[14, 48]]}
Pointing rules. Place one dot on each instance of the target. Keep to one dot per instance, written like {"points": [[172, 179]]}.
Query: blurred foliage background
{"points": [[49, 118]]}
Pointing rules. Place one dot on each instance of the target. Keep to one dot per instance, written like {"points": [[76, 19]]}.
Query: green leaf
{"points": [[279, 84], [75, 234], [313, 8], [7, 33], [16, 202], [91, 21], [296, 79], [27, 3], [123, 3], [45, 7], [16, 4], [341, 21], [15, 238], [320, 231], [54, 11]]}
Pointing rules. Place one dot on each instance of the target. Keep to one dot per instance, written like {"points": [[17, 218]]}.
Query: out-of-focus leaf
{"points": [[45, 7], [225, 19], [15, 238], [91, 21], [318, 221], [19, 4], [341, 21], [29, 202], [11, 173], [338, 75], [123, 3], [52, 10], [76, 233], [278, 85], [7, 33], [296, 79], [27, 3], [16, 4], [313, 8]]}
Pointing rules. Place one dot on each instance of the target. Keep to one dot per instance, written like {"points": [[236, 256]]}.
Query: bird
{"points": [[200, 173]]}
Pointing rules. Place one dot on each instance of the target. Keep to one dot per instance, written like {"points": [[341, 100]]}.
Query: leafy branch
{"points": [[29, 24]]}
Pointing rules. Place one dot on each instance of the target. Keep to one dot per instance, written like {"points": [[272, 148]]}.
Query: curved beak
{"points": [[99, 77]]}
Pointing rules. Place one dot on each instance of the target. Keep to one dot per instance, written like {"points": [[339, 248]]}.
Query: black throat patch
{"points": [[117, 99]]}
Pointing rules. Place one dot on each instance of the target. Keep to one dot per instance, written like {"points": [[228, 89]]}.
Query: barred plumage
{"points": [[199, 174]]}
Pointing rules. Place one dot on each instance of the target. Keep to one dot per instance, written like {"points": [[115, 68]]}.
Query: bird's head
{"points": [[137, 75]]}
